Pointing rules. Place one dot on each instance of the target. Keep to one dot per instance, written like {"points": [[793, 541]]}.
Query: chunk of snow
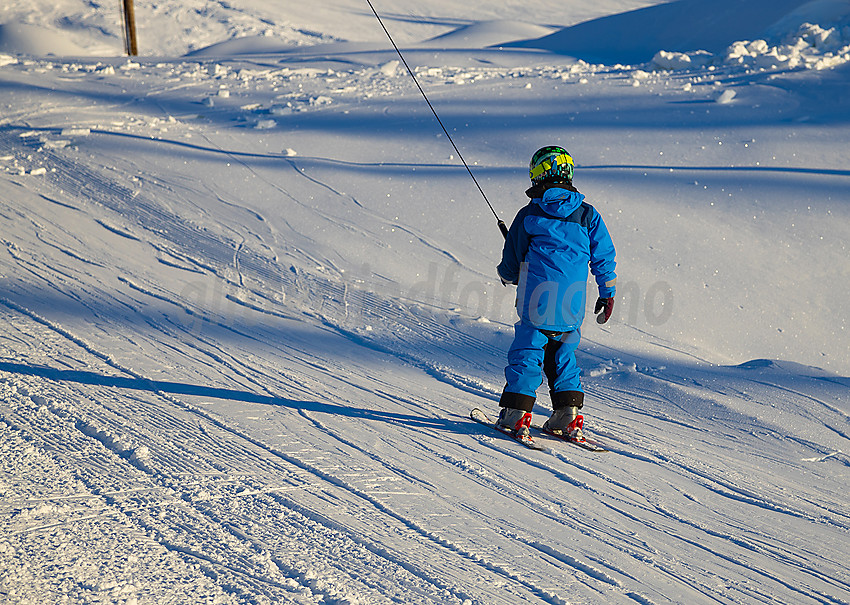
{"points": [[669, 60], [389, 68], [726, 96], [672, 60], [141, 454], [320, 100], [57, 144]]}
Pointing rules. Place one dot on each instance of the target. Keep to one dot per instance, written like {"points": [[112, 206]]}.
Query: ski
{"points": [[590, 445], [481, 417]]}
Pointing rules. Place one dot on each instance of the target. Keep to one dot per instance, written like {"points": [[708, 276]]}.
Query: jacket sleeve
{"points": [[516, 246], [602, 257]]}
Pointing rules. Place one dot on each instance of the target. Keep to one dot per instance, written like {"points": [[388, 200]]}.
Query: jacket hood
{"points": [[560, 202]]}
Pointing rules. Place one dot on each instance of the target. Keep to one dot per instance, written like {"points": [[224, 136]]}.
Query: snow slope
{"points": [[249, 299]]}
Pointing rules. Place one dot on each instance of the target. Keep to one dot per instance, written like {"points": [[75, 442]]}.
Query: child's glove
{"points": [[604, 308], [506, 282]]}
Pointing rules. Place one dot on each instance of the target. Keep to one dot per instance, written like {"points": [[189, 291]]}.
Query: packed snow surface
{"points": [[249, 300]]}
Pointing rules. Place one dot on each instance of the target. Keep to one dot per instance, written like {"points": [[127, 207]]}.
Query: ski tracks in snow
{"points": [[255, 496], [228, 504], [241, 511], [219, 491]]}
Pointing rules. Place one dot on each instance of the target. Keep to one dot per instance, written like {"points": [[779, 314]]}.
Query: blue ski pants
{"points": [[524, 372]]}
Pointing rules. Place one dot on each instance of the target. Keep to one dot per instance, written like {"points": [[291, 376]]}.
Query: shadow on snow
{"points": [[180, 388]]}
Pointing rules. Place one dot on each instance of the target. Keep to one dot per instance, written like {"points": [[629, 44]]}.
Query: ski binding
{"points": [[481, 417]]}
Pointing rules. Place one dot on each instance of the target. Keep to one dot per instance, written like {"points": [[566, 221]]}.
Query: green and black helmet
{"points": [[549, 164]]}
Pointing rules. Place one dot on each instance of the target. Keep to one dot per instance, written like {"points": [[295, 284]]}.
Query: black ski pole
{"points": [[502, 227]]}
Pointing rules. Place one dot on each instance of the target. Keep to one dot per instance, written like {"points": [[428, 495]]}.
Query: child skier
{"points": [[548, 249]]}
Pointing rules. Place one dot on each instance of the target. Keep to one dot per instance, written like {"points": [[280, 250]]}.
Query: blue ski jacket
{"points": [[550, 245]]}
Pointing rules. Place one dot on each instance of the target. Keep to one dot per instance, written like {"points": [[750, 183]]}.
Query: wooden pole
{"points": [[130, 28]]}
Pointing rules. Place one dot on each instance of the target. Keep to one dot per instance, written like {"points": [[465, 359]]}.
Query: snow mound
{"points": [[246, 45], [689, 34], [836, 12], [813, 47], [787, 367], [272, 45], [475, 36], [810, 47], [22, 39], [489, 33], [685, 26]]}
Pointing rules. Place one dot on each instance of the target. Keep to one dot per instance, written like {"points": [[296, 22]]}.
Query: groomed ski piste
{"points": [[249, 299]]}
